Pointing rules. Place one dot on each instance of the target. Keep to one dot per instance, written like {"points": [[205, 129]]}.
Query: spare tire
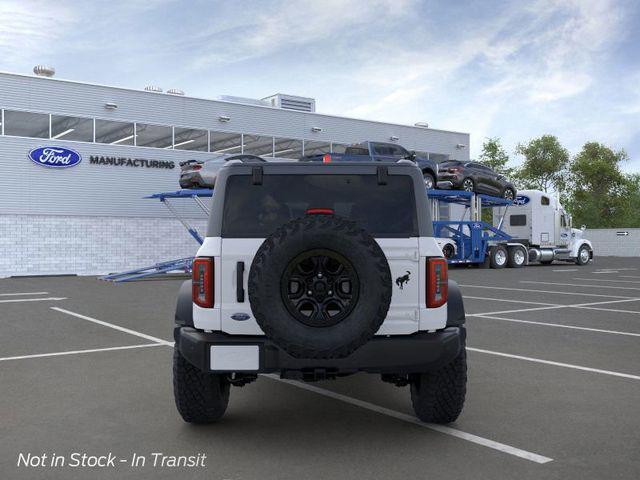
{"points": [[320, 287]]}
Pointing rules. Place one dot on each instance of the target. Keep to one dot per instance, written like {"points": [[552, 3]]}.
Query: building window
{"points": [[227, 143], [258, 145], [190, 139], [338, 147], [26, 124], [316, 148], [71, 128], [115, 133], [287, 148], [156, 136], [544, 200]]}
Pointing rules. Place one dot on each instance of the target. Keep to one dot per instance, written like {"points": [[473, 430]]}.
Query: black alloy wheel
{"points": [[467, 185], [320, 287]]}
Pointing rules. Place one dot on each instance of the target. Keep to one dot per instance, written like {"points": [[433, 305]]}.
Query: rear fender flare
{"points": [[455, 306], [184, 305]]}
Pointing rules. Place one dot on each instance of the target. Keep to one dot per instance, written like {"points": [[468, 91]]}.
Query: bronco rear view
{"points": [[314, 271]]}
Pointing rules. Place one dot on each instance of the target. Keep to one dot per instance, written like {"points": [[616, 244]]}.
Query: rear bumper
{"points": [[401, 354]]}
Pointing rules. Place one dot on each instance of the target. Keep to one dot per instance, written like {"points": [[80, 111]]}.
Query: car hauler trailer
{"points": [[533, 228]]}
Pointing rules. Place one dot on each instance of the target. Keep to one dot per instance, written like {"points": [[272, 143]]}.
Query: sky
{"points": [[514, 70]]}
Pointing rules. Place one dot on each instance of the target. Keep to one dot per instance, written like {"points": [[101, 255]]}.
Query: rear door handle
{"points": [[240, 282]]}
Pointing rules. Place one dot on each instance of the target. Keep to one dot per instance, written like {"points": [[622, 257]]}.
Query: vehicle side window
{"points": [[563, 221], [545, 200], [383, 150], [517, 220]]}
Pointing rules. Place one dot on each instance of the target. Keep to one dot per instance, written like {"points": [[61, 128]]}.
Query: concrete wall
{"points": [[612, 242]]}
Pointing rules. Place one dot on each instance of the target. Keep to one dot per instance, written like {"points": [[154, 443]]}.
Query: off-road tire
{"points": [[328, 232], [438, 397], [200, 397]]}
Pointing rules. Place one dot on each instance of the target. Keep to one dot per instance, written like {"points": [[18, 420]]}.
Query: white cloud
{"points": [[29, 29]]}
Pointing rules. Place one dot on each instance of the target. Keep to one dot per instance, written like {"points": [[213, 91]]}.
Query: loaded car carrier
{"points": [[534, 228]]}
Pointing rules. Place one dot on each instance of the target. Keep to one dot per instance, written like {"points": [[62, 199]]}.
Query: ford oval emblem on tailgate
{"points": [[241, 317], [55, 157]]}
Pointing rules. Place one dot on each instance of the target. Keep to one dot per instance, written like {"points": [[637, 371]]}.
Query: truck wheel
{"points": [[200, 397], [498, 256], [438, 397], [429, 181], [584, 255], [517, 257], [320, 287]]}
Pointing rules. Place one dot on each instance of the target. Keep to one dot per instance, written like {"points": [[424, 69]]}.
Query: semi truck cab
{"points": [[537, 220]]}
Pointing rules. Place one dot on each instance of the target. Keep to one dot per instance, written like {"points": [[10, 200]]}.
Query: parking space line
{"points": [[25, 293], [566, 270], [581, 285], [533, 457], [606, 280], [558, 325], [544, 291], [47, 299], [629, 276], [115, 327], [511, 301], [556, 364], [575, 305], [76, 352]]}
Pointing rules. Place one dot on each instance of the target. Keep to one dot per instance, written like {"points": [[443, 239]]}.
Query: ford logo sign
{"points": [[55, 157], [521, 200], [240, 317]]}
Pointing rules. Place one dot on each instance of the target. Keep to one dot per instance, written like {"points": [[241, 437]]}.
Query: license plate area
{"points": [[234, 358]]}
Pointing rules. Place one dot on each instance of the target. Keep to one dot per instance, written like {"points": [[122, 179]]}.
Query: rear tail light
{"points": [[437, 282], [455, 169], [196, 167], [202, 282], [320, 211], [326, 158]]}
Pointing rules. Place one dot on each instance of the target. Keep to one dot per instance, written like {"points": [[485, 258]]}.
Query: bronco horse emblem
{"points": [[400, 281]]}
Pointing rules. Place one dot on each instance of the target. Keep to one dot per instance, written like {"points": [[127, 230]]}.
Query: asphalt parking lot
{"points": [[554, 388]]}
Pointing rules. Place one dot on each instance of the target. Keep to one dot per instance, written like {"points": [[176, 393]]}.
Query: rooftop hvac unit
{"points": [[175, 91], [44, 71], [153, 88], [291, 102]]}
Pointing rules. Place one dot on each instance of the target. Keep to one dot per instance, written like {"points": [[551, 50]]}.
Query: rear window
{"points": [[356, 151], [255, 211]]}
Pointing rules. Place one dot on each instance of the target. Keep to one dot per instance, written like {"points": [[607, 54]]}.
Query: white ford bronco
{"points": [[313, 272]]}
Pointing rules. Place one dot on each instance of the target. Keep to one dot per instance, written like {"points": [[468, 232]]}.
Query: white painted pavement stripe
{"points": [[576, 305], [510, 301], [115, 327], [557, 325], [25, 293], [629, 276], [533, 457], [543, 291], [606, 280], [556, 364], [47, 299], [566, 270], [609, 310], [76, 352], [581, 285]]}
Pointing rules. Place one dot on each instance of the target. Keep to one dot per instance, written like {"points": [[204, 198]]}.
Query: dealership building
{"points": [[121, 145]]}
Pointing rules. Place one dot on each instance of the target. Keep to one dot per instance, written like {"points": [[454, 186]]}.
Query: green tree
{"points": [[600, 194], [545, 164], [495, 156]]}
